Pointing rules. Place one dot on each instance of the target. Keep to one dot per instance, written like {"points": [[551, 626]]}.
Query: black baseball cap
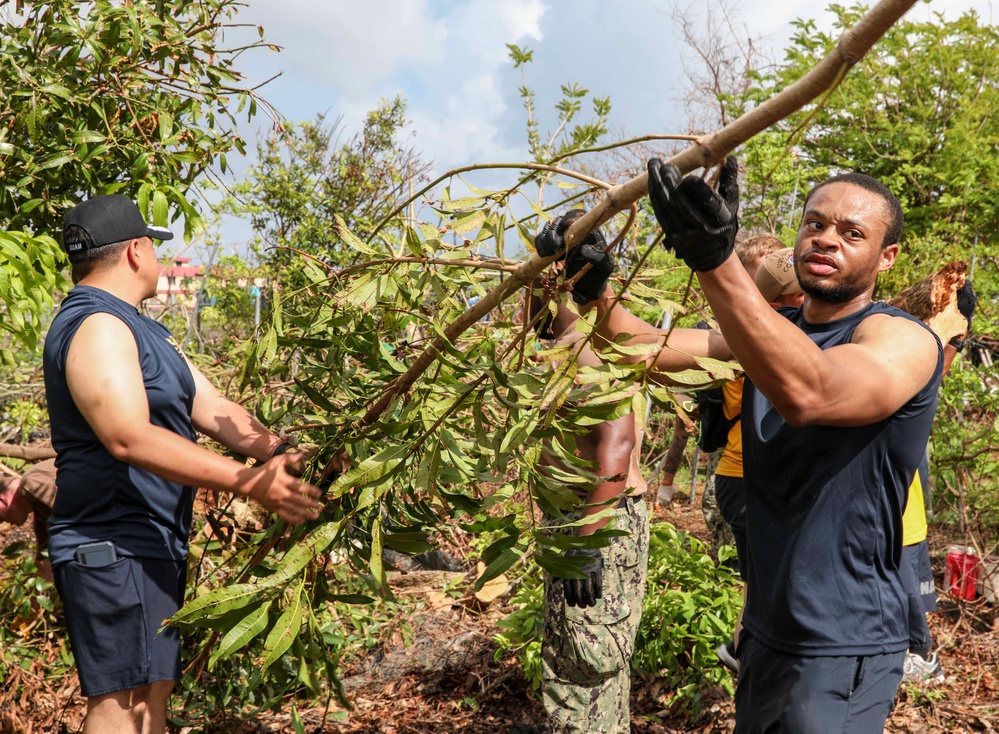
{"points": [[107, 220]]}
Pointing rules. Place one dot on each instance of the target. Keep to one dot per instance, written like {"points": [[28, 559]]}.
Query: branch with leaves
{"points": [[707, 151]]}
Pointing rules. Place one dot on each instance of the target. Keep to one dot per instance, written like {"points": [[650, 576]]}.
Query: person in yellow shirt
{"points": [[921, 665]]}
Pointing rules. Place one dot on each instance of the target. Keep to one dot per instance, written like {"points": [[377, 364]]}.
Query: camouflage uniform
{"points": [[586, 652], [721, 533]]}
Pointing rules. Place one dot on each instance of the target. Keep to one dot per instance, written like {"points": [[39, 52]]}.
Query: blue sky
{"points": [[449, 60]]}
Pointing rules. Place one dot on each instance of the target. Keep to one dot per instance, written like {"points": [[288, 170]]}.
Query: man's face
{"points": [[838, 252], [13, 507]]}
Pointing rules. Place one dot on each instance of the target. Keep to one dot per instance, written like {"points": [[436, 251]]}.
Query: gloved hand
{"points": [[966, 301], [594, 281], [549, 241], [585, 592], [698, 222]]}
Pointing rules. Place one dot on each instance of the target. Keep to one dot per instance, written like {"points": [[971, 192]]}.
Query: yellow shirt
{"points": [[914, 517], [730, 464]]}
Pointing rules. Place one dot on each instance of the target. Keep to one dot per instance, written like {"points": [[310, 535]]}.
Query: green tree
{"points": [[103, 97], [305, 177], [921, 118]]}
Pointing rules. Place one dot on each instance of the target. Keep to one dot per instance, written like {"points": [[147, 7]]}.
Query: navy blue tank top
{"points": [[99, 497], [824, 514]]}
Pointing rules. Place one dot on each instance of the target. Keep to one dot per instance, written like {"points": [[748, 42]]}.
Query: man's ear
{"points": [[133, 252], [888, 255]]}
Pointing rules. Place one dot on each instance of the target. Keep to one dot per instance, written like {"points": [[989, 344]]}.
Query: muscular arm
{"points": [[888, 361], [105, 379]]}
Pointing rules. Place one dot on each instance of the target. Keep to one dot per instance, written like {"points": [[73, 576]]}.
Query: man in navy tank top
{"points": [[125, 404], [838, 405]]}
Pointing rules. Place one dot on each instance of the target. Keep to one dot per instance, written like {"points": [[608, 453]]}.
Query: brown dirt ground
{"points": [[447, 680]]}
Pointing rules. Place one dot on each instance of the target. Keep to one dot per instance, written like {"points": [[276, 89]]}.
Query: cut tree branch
{"points": [[706, 151], [27, 453]]}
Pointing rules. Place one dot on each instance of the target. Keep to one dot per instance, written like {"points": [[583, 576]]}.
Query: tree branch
{"points": [[706, 151], [28, 453]]}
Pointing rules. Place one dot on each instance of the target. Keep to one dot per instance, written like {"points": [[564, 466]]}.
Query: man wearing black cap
{"points": [[125, 404]]}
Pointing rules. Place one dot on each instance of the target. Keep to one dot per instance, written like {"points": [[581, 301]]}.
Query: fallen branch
{"points": [[706, 151], [27, 453]]}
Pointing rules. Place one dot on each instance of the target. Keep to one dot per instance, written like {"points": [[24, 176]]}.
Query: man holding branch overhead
{"points": [[838, 405]]}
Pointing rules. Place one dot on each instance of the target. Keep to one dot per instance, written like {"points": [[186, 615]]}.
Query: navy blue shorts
{"points": [[114, 614], [917, 558], [730, 493]]}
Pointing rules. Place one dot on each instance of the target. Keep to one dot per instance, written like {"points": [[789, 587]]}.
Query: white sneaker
{"points": [[918, 669]]}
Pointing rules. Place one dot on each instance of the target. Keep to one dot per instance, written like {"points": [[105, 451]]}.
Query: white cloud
{"points": [[351, 46]]}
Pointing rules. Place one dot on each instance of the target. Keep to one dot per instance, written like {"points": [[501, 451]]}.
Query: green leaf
{"points": [[241, 633], [58, 90], [317, 397], [284, 632], [55, 161], [87, 136], [218, 602], [161, 209], [306, 550], [349, 239], [375, 562], [352, 598], [499, 565], [469, 222], [371, 469], [412, 543]]}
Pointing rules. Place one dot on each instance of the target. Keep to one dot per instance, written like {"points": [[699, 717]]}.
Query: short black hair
{"points": [[91, 258], [895, 216]]}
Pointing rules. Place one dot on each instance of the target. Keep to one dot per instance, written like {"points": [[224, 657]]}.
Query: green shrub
{"points": [[691, 606]]}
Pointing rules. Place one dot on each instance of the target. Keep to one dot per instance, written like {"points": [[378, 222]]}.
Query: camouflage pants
{"points": [[586, 653], [721, 533]]}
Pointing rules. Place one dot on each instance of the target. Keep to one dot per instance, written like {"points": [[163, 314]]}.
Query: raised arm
{"points": [[615, 323], [889, 360], [842, 243]]}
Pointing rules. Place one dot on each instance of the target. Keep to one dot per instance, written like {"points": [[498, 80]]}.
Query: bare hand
{"points": [[276, 485]]}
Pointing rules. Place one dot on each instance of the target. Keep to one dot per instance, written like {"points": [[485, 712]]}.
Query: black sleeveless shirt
{"points": [[99, 497], [824, 513]]}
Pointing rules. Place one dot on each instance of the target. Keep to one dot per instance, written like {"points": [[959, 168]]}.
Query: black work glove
{"points": [[585, 592], [698, 222], [966, 301], [591, 286], [550, 240]]}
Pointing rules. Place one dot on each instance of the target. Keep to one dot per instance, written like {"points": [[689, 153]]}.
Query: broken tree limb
{"points": [[706, 151], [933, 300], [28, 453]]}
